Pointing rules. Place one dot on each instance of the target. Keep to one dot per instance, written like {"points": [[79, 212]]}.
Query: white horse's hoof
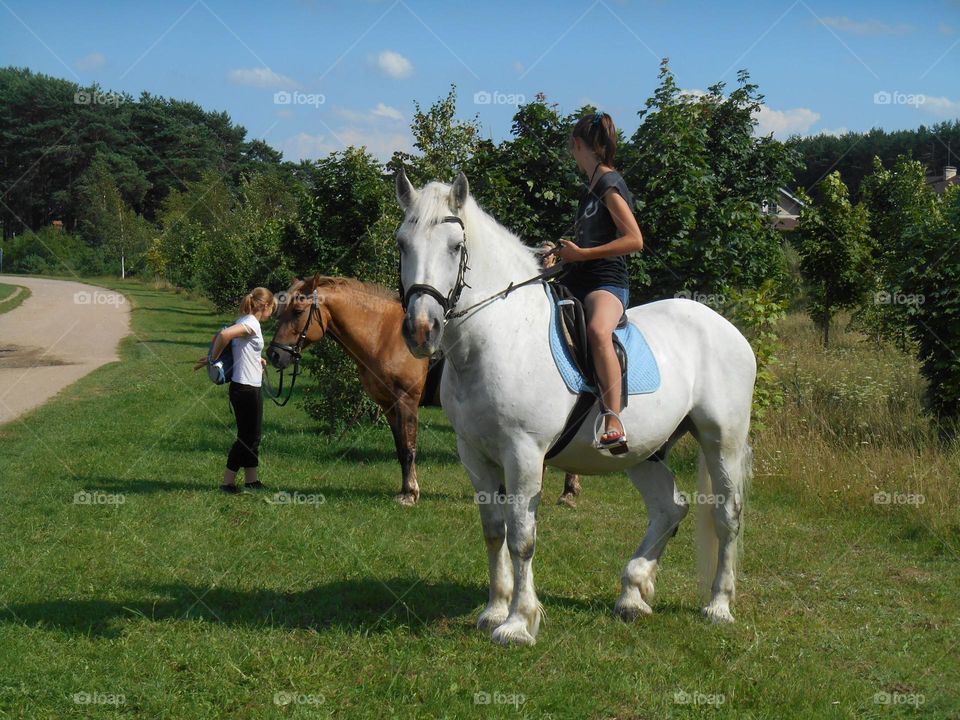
{"points": [[718, 614], [490, 619], [513, 633], [629, 612]]}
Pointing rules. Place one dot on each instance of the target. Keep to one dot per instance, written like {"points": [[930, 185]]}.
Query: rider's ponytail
{"points": [[256, 300], [600, 135]]}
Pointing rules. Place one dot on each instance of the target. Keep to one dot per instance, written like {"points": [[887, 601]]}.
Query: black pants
{"points": [[247, 405]]}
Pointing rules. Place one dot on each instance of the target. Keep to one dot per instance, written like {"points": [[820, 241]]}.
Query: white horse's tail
{"points": [[708, 544]]}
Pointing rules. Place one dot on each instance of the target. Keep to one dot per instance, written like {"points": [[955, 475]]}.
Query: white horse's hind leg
{"points": [[666, 508], [728, 464], [486, 478], [524, 478]]}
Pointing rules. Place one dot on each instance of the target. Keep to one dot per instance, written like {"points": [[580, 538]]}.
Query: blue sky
{"points": [[352, 70]]}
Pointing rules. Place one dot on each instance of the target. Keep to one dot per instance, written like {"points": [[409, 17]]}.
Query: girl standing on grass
{"points": [[606, 232], [246, 342]]}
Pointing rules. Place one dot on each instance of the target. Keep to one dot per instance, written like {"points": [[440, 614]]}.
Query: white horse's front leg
{"points": [[524, 476], [486, 478]]}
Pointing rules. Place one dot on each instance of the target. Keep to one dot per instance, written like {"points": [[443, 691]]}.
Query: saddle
{"points": [[574, 327]]}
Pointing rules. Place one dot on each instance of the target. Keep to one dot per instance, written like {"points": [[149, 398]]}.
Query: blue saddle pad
{"points": [[643, 375]]}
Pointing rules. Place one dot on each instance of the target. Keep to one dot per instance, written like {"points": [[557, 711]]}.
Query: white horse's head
{"points": [[432, 244]]}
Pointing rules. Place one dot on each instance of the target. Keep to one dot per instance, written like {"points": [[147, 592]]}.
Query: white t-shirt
{"points": [[246, 354]]}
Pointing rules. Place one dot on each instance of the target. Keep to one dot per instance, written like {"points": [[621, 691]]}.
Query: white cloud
{"points": [[946, 29], [783, 123], [93, 61], [519, 67], [865, 27], [381, 144], [385, 111], [394, 64], [260, 77], [940, 106]]}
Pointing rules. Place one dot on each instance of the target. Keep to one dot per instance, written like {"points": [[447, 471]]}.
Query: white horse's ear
{"points": [[406, 193], [459, 192]]}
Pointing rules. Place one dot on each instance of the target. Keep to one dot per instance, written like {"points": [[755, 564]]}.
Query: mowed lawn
{"points": [[152, 595]]}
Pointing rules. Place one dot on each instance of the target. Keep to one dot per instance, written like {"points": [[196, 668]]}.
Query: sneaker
{"points": [[231, 489], [254, 486]]}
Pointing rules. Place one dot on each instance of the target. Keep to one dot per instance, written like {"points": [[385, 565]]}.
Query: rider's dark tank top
{"points": [[595, 226]]}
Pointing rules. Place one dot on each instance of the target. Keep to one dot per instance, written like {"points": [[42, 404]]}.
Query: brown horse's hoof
{"points": [[568, 499], [406, 499]]}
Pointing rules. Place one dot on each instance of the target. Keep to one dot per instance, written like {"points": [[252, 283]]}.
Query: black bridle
{"points": [[449, 301], [295, 351]]}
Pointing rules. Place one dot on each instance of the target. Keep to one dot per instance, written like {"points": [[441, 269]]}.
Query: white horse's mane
{"points": [[494, 251]]}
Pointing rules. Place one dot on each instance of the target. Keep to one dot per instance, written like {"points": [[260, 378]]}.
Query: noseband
{"points": [[447, 302]]}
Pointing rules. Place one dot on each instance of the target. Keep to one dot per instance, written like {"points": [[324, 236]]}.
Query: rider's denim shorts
{"points": [[622, 293]]}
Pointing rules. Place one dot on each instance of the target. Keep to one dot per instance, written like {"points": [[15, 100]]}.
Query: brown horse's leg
{"points": [[571, 488], [404, 427]]}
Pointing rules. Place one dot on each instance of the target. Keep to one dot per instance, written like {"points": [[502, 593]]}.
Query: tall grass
{"points": [[853, 431]]}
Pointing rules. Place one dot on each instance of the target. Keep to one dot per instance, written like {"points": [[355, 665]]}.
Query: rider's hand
{"points": [[548, 258], [570, 251], [263, 362]]}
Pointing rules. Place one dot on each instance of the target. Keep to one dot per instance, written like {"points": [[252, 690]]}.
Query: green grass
{"points": [[10, 298], [191, 604]]}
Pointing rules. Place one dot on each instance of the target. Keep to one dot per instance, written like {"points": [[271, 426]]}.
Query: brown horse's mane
{"points": [[346, 283]]}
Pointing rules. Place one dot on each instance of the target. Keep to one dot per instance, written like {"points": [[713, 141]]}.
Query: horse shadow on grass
{"points": [[362, 606]]}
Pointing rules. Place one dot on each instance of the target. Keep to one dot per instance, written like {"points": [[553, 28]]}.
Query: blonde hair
{"points": [[256, 300]]}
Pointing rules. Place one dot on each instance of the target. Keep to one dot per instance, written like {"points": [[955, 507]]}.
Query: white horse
{"points": [[508, 403]]}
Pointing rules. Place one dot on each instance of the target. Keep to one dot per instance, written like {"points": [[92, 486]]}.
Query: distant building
{"points": [[940, 183], [784, 211]]}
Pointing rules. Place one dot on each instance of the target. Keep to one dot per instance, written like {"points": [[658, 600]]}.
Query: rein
{"points": [[449, 302]]}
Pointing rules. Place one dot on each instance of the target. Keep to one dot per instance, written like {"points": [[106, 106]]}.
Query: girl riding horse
{"points": [[606, 232]]}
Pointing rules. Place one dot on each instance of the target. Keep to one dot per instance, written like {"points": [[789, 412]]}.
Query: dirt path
{"points": [[63, 331]]}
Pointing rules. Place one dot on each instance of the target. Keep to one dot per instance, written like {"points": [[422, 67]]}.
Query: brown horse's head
{"points": [[302, 319]]}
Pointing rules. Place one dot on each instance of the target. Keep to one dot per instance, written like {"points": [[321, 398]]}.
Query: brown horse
{"points": [[365, 319]]}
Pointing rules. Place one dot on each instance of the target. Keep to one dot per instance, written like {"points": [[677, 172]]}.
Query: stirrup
{"points": [[617, 447]]}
